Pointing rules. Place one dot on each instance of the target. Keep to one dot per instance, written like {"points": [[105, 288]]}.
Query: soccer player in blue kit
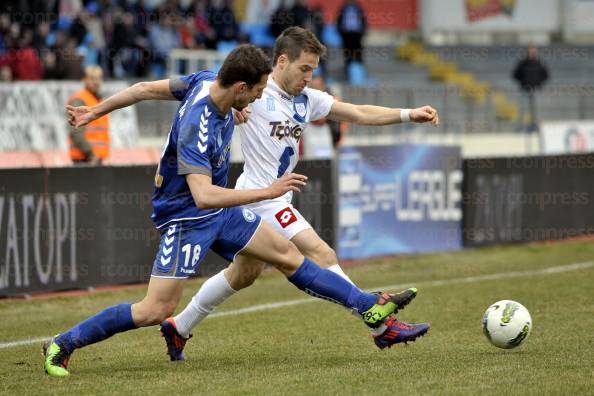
{"points": [[195, 212]]}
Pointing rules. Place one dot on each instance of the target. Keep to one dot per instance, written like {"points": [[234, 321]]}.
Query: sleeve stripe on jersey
{"points": [[183, 168], [203, 133], [176, 83]]}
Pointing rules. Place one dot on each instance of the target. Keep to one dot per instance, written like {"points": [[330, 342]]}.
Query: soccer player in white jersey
{"points": [[270, 135]]}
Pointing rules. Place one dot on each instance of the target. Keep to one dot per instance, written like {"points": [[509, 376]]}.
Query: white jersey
{"points": [[270, 138]]}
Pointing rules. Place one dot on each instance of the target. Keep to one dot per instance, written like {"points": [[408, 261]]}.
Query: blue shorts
{"points": [[185, 243]]}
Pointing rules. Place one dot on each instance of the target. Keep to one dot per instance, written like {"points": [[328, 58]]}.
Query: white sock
{"points": [[212, 293], [338, 271]]}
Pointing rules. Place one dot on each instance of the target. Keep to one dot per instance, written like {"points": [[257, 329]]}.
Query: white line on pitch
{"points": [[439, 282], [28, 341]]}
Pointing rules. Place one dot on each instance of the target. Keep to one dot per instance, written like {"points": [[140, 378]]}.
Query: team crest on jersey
{"points": [[300, 107], [281, 130], [248, 215]]}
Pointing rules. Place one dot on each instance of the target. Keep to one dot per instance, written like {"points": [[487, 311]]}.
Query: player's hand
{"points": [[241, 116], [288, 182], [80, 115], [424, 114]]}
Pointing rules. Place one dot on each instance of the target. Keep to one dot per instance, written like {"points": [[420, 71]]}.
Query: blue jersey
{"points": [[199, 142]]}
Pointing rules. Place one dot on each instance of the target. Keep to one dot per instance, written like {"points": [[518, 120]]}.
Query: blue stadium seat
{"points": [[259, 34], [90, 55], [64, 23], [357, 74], [330, 36], [50, 39], [88, 39], [225, 47]]}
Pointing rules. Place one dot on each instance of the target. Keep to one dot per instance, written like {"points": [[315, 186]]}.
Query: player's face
{"points": [[247, 95], [297, 74]]}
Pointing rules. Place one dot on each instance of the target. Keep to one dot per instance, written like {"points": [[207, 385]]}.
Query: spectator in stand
{"points": [[4, 29], [316, 23], [142, 17], [51, 71], [222, 20], [20, 56], [54, 66], [41, 36], [187, 34], [78, 30], [530, 73], [5, 73], [94, 41], [163, 38], [89, 144], [259, 12], [310, 19], [173, 8], [69, 61], [351, 24], [281, 19], [128, 48], [301, 14], [205, 35]]}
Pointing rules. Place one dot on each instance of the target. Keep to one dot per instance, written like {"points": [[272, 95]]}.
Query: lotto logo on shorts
{"points": [[286, 217]]}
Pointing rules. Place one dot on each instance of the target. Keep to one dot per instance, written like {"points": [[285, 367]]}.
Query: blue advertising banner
{"points": [[399, 199]]}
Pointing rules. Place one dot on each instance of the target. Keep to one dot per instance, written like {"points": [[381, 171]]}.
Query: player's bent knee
{"points": [[248, 276], [243, 274]]}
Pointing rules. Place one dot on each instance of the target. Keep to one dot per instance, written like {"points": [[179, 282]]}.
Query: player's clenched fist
{"points": [[288, 182], [241, 116], [424, 114]]}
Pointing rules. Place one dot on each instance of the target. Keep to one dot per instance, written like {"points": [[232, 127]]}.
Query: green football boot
{"points": [[386, 305], [56, 359]]}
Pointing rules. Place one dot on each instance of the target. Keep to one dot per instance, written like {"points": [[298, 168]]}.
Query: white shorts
{"points": [[282, 216]]}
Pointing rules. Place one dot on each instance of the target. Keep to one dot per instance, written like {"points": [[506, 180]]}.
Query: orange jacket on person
{"points": [[96, 132]]}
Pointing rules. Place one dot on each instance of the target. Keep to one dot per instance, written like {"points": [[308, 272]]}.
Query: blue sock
{"points": [[110, 321], [326, 284]]}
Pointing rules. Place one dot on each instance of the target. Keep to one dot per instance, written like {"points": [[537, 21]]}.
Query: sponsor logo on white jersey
{"points": [[281, 130]]}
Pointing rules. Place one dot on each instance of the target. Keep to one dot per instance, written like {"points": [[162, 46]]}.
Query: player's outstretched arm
{"points": [[378, 115], [207, 196], [146, 90]]}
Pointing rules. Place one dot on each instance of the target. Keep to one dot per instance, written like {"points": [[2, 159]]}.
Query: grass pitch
{"points": [[317, 348]]}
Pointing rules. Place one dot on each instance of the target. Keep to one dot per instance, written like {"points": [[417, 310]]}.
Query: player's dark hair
{"points": [[245, 63], [293, 41]]}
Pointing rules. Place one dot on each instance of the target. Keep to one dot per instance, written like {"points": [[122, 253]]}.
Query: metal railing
{"points": [[186, 61], [458, 115]]}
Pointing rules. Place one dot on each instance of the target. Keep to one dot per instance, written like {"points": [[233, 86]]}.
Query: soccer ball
{"points": [[507, 324]]}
